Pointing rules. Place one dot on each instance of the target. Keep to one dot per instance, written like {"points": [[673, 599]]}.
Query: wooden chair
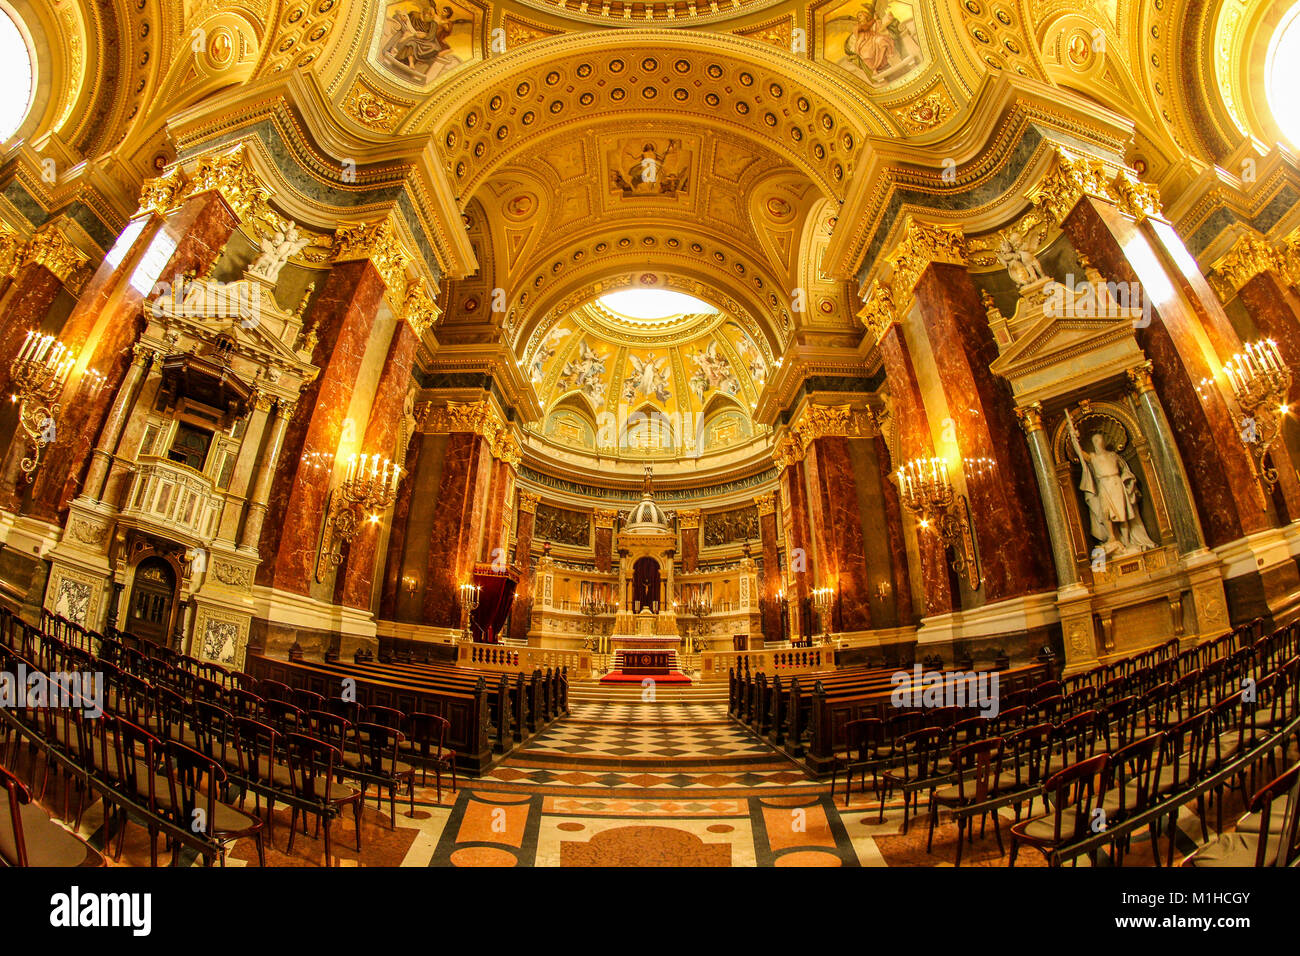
{"points": [[919, 752], [1130, 788], [28, 837], [427, 734], [193, 802], [263, 766], [1072, 793], [313, 766], [864, 740], [375, 762], [978, 768], [1266, 836]]}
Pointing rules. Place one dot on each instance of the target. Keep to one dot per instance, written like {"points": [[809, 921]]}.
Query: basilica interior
{"points": [[561, 433]]}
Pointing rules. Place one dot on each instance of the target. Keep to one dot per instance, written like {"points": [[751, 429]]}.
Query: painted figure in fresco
{"points": [[651, 172], [878, 43], [712, 370], [421, 39], [872, 42], [586, 373], [649, 378], [1111, 491]]}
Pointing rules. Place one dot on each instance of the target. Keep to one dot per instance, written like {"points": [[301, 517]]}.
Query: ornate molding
{"points": [[689, 519], [1249, 256], [1073, 177], [604, 517], [51, 249], [879, 312], [528, 502], [924, 243], [766, 504]]}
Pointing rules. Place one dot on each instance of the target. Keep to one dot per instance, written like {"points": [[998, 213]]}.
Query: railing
{"points": [[175, 496], [715, 665], [522, 660]]}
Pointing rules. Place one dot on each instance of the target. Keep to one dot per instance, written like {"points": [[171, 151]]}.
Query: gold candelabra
{"points": [[594, 607], [927, 492], [369, 486], [1260, 382], [823, 599], [39, 373], [469, 598], [700, 608]]}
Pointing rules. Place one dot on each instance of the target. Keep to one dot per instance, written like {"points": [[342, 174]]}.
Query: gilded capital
{"points": [[528, 502], [924, 243], [1139, 378], [605, 517], [1249, 256], [51, 249], [878, 312], [230, 174], [377, 242], [1073, 177], [1031, 417], [766, 504], [689, 519]]}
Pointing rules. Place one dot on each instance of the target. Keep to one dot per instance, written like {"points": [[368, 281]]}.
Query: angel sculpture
{"points": [[1016, 253], [276, 251]]}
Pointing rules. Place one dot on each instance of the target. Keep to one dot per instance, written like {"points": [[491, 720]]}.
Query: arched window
{"points": [[15, 76], [1282, 75]]}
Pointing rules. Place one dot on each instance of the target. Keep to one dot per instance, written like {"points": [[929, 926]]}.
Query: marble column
{"points": [[831, 483], [909, 416], [241, 479], [106, 321], [689, 522], [457, 527], [343, 313], [1040, 451], [127, 395], [397, 535], [496, 530], [381, 436], [771, 583], [1164, 454], [258, 503], [794, 513], [525, 521], [1010, 532], [604, 539], [1230, 501], [901, 581]]}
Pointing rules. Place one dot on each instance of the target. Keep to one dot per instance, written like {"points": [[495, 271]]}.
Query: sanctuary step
{"points": [[592, 691], [648, 662]]}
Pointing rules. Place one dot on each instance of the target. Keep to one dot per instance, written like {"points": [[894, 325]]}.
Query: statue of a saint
{"points": [[1111, 491]]}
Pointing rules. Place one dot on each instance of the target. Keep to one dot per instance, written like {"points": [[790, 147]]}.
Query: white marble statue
{"points": [[276, 251], [1111, 491]]}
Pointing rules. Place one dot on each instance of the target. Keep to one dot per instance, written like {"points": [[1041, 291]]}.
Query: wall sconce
{"points": [[469, 595], [368, 487], [39, 373], [927, 492], [882, 589], [1260, 382], [411, 583]]}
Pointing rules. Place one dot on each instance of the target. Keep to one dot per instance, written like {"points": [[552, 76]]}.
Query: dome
{"points": [[647, 517]]}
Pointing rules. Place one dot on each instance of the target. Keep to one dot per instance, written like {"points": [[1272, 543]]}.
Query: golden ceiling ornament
{"points": [[51, 249], [1249, 256], [779, 34], [528, 502], [519, 32], [230, 174], [929, 111], [373, 110], [765, 503]]}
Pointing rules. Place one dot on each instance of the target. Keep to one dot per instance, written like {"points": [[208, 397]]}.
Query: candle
{"points": [[27, 345]]}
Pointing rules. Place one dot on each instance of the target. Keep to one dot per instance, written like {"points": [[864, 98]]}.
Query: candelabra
{"points": [[368, 487], [927, 492], [593, 607], [700, 608], [39, 373], [469, 595], [1260, 382], [823, 599]]}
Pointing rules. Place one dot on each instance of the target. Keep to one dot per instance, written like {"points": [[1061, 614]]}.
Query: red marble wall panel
{"points": [[380, 439], [691, 548], [893, 524], [24, 307], [397, 536], [1229, 499], [604, 543], [1275, 308], [771, 576], [107, 320], [457, 526], [1010, 530], [521, 611], [846, 539], [914, 442], [794, 514], [344, 313]]}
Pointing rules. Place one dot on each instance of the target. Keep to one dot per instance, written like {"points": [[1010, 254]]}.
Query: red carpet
{"points": [[618, 677]]}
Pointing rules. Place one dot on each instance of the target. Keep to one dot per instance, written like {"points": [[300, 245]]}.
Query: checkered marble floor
{"points": [[653, 713], [655, 741]]}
